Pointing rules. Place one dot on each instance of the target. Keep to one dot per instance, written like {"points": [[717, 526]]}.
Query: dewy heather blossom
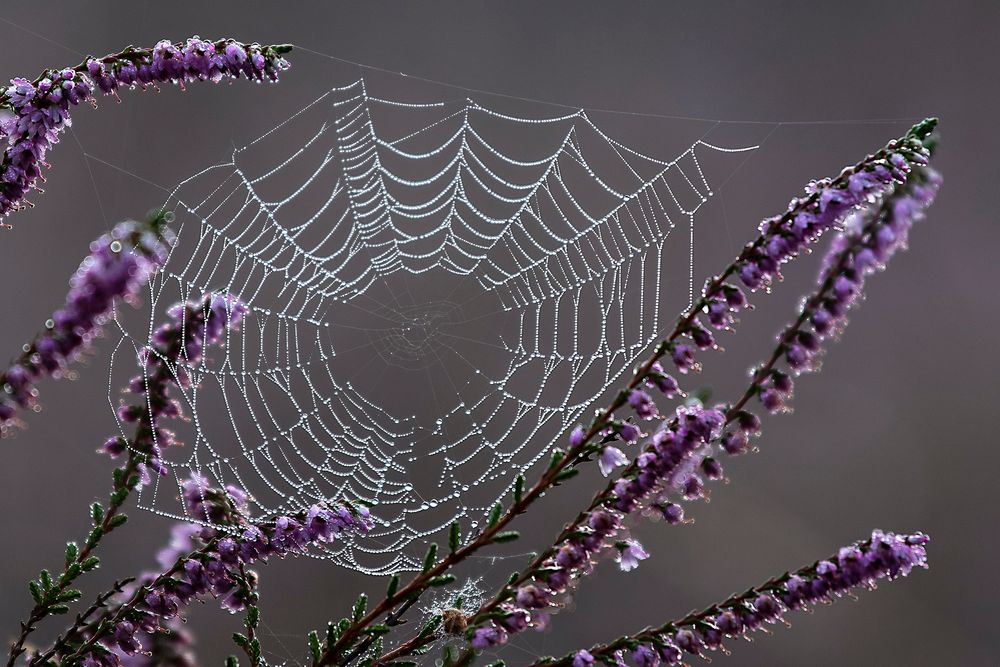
{"points": [[679, 456], [119, 264], [884, 556], [193, 327], [40, 108], [827, 203], [206, 561]]}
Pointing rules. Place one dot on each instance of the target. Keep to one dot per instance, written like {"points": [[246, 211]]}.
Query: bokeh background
{"points": [[892, 434]]}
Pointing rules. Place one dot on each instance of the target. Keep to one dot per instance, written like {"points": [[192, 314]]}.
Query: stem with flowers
{"points": [[670, 461], [41, 107], [781, 239]]}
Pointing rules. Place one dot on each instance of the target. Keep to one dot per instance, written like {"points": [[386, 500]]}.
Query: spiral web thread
{"points": [[404, 234]]}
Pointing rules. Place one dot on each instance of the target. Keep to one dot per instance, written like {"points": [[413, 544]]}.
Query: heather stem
{"points": [[105, 623], [63, 640], [249, 642]]}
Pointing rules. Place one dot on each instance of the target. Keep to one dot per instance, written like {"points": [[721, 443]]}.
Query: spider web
{"points": [[438, 291]]}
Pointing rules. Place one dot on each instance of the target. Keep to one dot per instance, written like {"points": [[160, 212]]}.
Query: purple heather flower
{"points": [[611, 458], [672, 513], [669, 653], [124, 637], [659, 379], [701, 336], [531, 597], [629, 431], [772, 400], [688, 641], [827, 203], [41, 111], [192, 328], [712, 468], [118, 265], [683, 357], [692, 487], [748, 423], [583, 659], [644, 656], [883, 556], [217, 571], [643, 404], [168, 645], [488, 636], [577, 437], [865, 244], [629, 555]]}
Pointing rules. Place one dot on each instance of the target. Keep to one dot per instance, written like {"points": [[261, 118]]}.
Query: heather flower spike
{"points": [[40, 109], [826, 204], [884, 556], [119, 264], [678, 458], [202, 562]]}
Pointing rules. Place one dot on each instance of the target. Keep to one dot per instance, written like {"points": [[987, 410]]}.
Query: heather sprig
{"points": [[119, 264], [884, 556], [682, 453], [826, 203], [208, 560], [192, 328], [40, 109]]}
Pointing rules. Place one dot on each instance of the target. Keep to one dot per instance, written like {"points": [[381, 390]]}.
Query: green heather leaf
{"points": [[392, 587], [506, 536], [360, 606], [431, 556], [518, 489], [314, 649]]}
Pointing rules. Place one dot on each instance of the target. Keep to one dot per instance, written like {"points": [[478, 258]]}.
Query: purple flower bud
{"points": [[611, 458], [42, 111], [644, 656], [683, 357], [630, 554], [672, 513], [531, 597], [688, 641], [670, 654], [735, 442], [712, 468], [692, 487], [701, 336], [665, 383], [767, 607], [488, 636], [629, 431], [772, 401], [748, 422], [643, 404]]}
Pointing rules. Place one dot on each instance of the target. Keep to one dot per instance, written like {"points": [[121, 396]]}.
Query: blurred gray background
{"points": [[891, 434]]}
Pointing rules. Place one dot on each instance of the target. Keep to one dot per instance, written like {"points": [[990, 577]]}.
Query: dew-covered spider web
{"points": [[437, 292]]}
